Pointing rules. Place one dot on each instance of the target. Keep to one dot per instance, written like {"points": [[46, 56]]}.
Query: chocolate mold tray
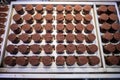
{"points": [[53, 67], [112, 68]]}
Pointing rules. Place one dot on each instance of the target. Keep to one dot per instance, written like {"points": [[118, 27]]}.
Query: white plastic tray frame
{"points": [[49, 69], [54, 42]]}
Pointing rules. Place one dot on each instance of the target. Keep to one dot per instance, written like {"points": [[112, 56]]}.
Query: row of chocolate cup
{"points": [[49, 28], [49, 38], [48, 49], [48, 60], [3, 19], [49, 18], [50, 8]]}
